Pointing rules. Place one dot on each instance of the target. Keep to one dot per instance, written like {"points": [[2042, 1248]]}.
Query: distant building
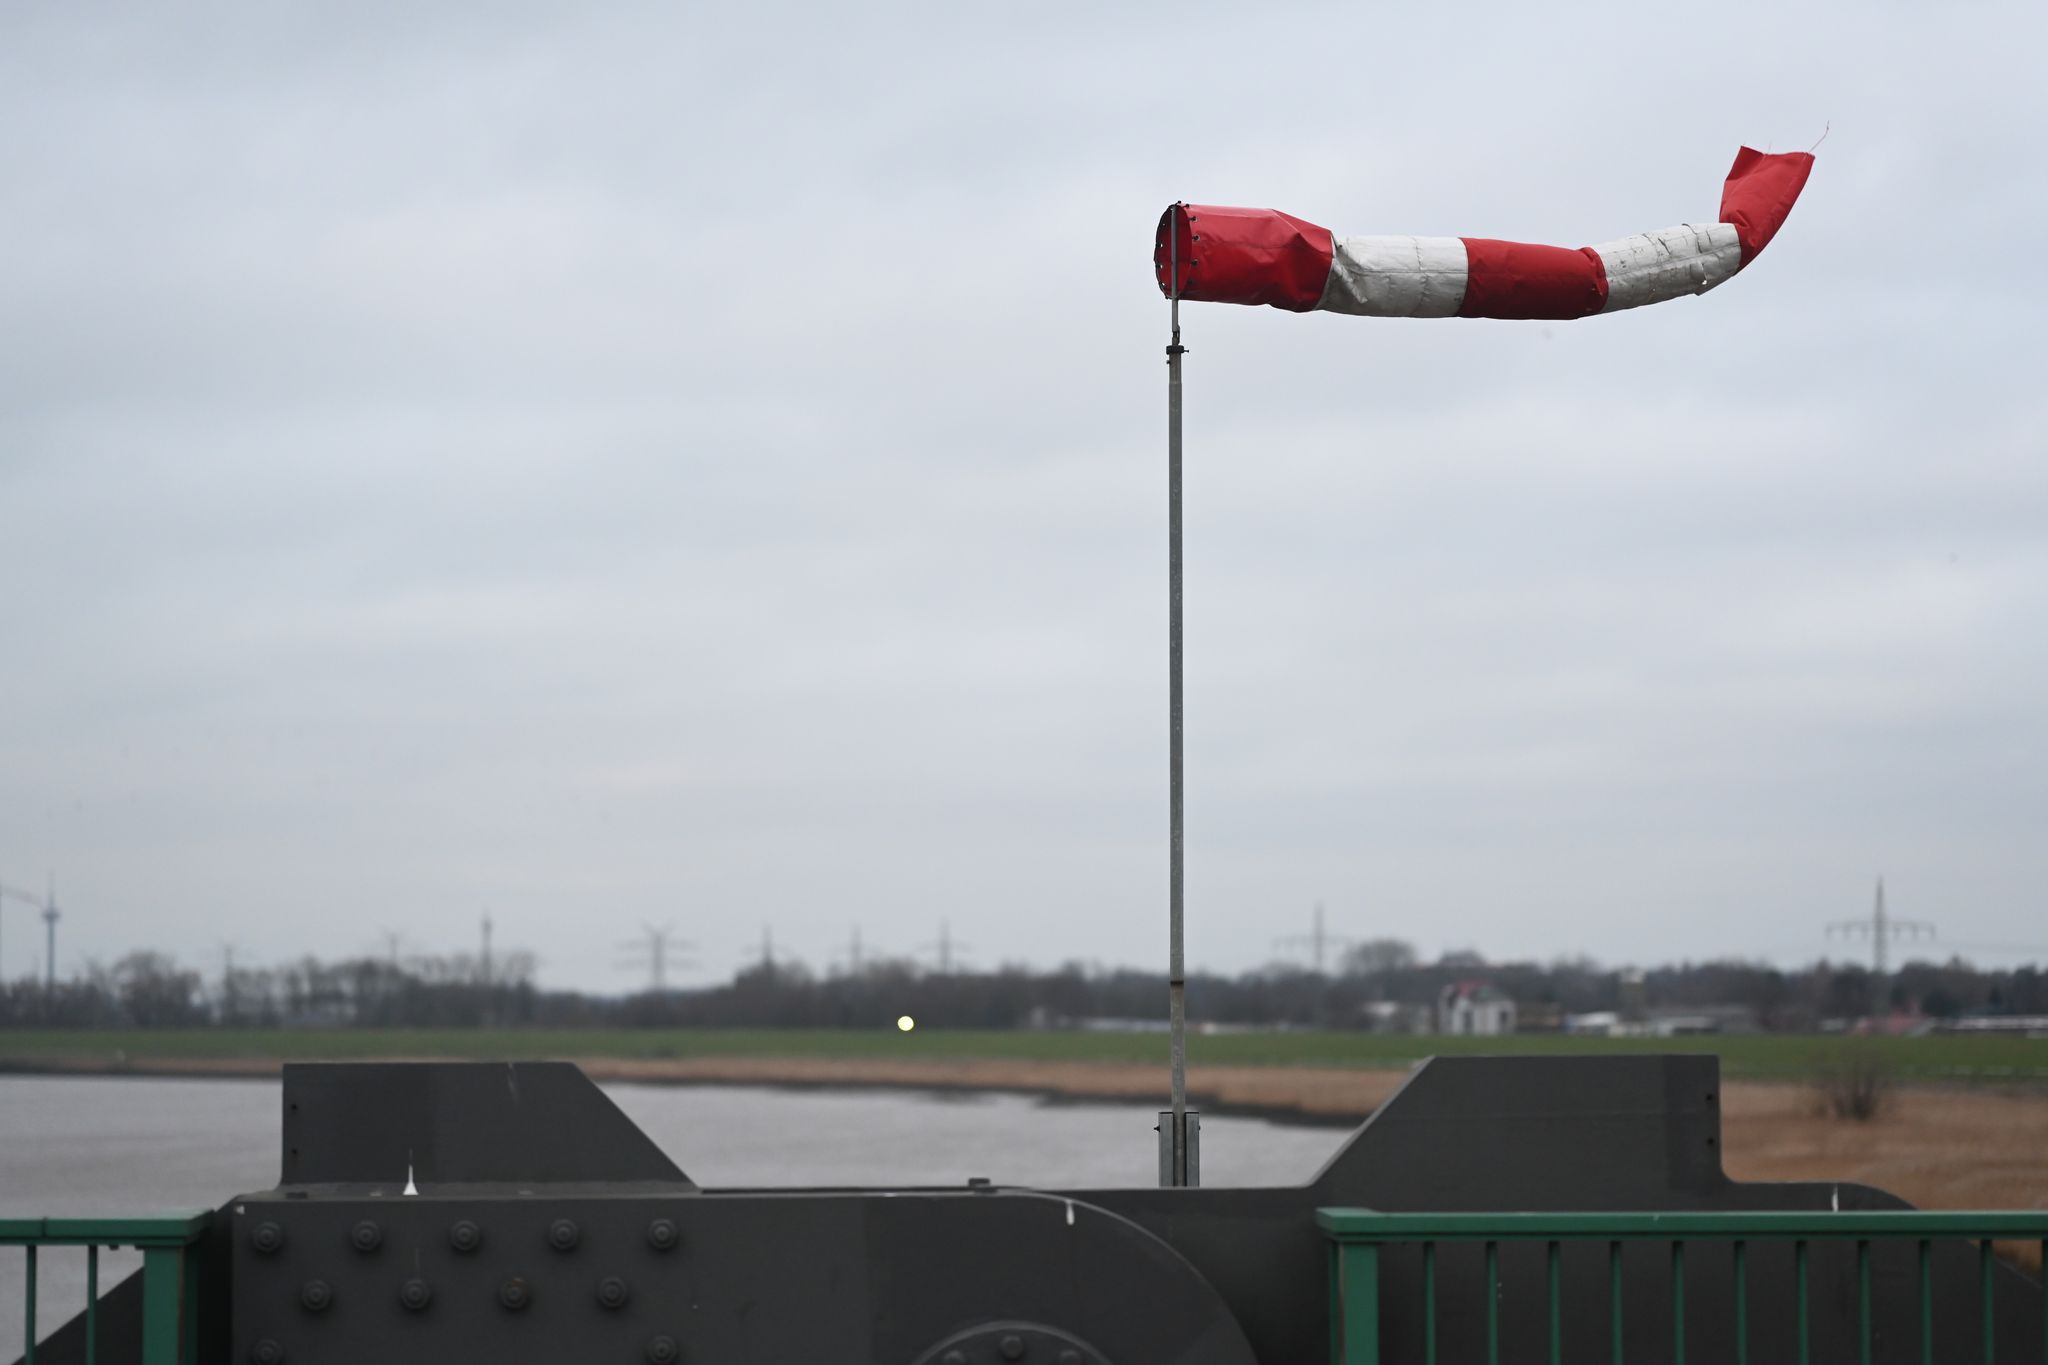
{"points": [[1474, 1009]]}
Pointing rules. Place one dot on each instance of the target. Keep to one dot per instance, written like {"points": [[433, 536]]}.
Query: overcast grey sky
{"points": [[646, 462]]}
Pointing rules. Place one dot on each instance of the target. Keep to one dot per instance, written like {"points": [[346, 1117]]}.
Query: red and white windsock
{"points": [[1231, 255]]}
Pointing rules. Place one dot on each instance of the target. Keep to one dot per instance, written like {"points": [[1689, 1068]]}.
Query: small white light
{"points": [[905, 1024]]}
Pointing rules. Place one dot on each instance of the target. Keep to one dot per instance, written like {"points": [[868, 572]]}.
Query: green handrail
{"points": [[1356, 1237], [170, 1276]]}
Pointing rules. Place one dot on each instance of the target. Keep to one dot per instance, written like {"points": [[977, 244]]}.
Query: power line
{"points": [[1318, 940], [655, 950], [856, 954], [50, 923], [945, 951], [1880, 929], [227, 1003], [28, 898]]}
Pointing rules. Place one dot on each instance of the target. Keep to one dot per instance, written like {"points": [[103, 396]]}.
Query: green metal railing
{"points": [[1357, 1237], [170, 1277]]}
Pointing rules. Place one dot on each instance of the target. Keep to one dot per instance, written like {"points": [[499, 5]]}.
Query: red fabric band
{"points": [[1519, 280], [1759, 193], [1232, 255]]}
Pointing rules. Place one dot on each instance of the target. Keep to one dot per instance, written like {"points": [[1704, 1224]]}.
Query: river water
{"points": [[88, 1145]]}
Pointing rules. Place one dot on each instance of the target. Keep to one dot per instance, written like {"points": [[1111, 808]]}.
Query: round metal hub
{"points": [[1012, 1343]]}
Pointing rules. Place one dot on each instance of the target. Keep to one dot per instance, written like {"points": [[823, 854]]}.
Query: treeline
{"points": [[1378, 985], [153, 990]]}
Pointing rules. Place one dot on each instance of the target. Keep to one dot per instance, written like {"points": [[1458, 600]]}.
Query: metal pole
{"points": [[50, 958], [1176, 977]]}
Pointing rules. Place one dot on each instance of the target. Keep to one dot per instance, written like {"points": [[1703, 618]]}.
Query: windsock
{"points": [[1232, 255]]}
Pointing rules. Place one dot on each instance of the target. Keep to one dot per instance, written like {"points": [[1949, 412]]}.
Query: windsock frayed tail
{"points": [[1254, 256]]}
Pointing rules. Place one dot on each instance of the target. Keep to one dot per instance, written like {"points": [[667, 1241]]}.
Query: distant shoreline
{"points": [[1331, 1077]]}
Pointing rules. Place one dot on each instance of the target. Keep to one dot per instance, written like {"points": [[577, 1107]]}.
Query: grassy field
{"points": [[1756, 1057]]}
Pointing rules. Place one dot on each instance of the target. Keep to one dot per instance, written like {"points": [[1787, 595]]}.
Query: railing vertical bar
{"points": [[1678, 1303], [1493, 1303], [28, 1354], [1556, 1315], [1360, 1267], [1805, 1335], [1358, 1270], [1741, 1302], [1863, 1297], [1429, 1303], [1984, 1279], [1614, 1298], [1926, 1304], [162, 1296], [92, 1306], [2044, 1300]]}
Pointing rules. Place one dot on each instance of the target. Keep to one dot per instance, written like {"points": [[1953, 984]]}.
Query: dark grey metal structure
{"points": [[547, 1228]]}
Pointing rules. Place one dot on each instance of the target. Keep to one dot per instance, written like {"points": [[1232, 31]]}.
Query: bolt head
{"points": [[268, 1352], [953, 1358], [415, 1294], [1011, 1346], [663, 1235], [612, 1293], [663, 1351], [563, 1234], [268, 1238], [366, 1236], [315, 1296], [465, 1236], [514, 1295]]}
